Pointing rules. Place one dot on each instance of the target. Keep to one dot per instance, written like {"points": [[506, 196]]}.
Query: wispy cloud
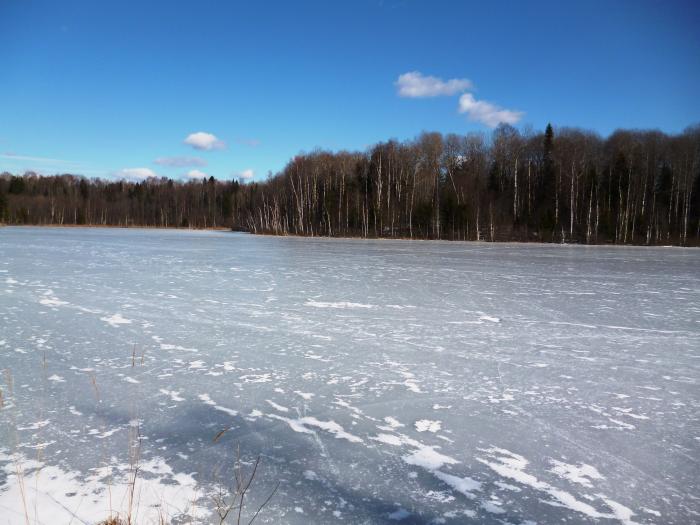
{"points": [[245, 174], [13, 156], [416, 85], [196, 174], [180, 162], [253, 143], [487, 113], [49, 165], [136, 173], [204, 141]]}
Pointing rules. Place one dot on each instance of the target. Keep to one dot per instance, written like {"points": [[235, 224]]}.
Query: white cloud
{"points": [[180, 162], [245, 174], [136, 173], [204, 141], [415, 85], [487, 113], [196, 174]]}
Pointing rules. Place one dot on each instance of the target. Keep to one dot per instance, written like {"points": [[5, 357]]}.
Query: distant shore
{"points": [[346, 237], [114, 226]]}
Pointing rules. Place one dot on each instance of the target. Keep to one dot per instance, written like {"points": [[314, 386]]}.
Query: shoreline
{"points": [[347, 238], [112, 226]]}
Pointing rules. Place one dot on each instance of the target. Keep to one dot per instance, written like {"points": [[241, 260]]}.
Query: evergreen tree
{"points": [[546, 187]]}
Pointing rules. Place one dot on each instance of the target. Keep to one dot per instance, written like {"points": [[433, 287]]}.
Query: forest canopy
{"points": [[564, 185]]}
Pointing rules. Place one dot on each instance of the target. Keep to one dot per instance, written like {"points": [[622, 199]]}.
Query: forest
{"points": [[563, 185]]}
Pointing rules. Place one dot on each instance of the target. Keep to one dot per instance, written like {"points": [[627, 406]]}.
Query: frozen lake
{"points": [[381, 381]]}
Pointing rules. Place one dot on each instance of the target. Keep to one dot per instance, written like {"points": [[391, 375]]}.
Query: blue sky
{"points": [[115, 88]]}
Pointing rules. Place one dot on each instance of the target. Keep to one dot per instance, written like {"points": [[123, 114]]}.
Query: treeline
{"points": [[634, 187], [154, 202]]}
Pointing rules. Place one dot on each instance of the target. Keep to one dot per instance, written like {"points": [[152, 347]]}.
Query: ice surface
{"points": [[381, 381]]}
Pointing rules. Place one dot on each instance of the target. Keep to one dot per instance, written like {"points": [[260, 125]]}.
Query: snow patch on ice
{"points": [[428, 458], [581, 474], [300, 425], [492, 507], [174, 395], [410, 382], [512, 466], [399, 515], [36, 426], [389, 439], [340, 304], [426, 425], [306, 395], [64, 496], [276, 406], [50, 299], [310, 475], [204, 398], [115, 320], [393, 422], [465, 485], [165, 346], [620, 512]]}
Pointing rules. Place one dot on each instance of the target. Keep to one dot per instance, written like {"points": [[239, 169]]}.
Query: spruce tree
{"points": [[547, 183]]}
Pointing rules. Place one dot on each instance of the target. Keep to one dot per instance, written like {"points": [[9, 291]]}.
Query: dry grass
{"points": [[228, 500], [113, 521]]}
